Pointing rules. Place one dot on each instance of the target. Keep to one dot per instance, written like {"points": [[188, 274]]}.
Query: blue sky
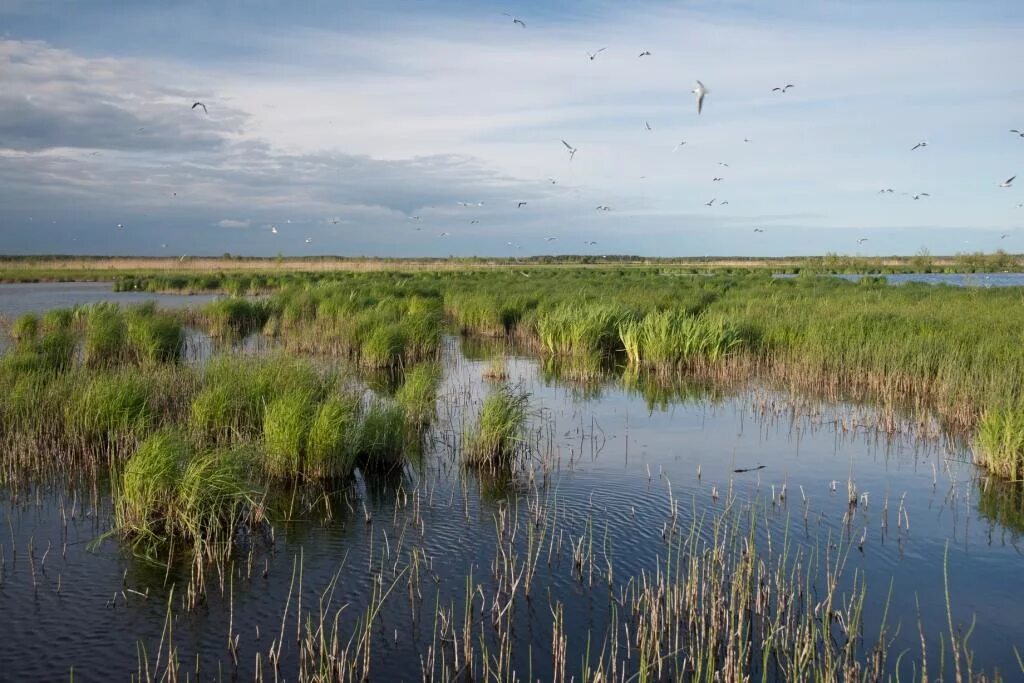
{"points": [[363, 126]]}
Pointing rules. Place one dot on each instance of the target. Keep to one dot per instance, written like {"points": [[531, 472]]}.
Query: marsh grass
{"points": [[333, 438], [286, 426], [234, 317], [498, 435], [155, 338], [1000, 442], [382, 436], [418, 393], [105, 333], [385, 347], [110, 409], [145, 505], [25, 328]]}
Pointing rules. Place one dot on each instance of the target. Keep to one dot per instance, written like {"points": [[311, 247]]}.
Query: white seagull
{"points": [[709, 203], [550, 239], [572, 150], [309, 240], [645, 53], [593, 55], [920, 144], [197, 103], [919, 195], [700, 91], [647, 125], [520, 205], [783, 88], [862, 240], [678, 145], [515, 20], [120, 225], [273, 229], [1008, 182]]}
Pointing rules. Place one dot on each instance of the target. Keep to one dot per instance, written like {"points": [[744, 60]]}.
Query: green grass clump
{"points": [[333, 438], [418, 394], [669, 340], [286, 425], [382, 436], [146, 503], [229, 407], [105, 333], [110, 407], [499, 431], [155, 338], [581, 330], [385, 347], [1000, 442], [216, 496], [58, 319], [233, 318], [25, 328]]}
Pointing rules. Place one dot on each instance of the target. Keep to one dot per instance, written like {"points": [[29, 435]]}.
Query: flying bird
{"points": [[1020, 133], [474, 222], [520, 205], [717, 179], [783, 88], [589, 243], [919, 195], [414, 218], [273, 229], [885, 190], [515, 20], [552, 181], [593, 55], [862, 240], [197, 103], [758, 230], [722, 163], [572, 150], [1008, 182], [709, 203], [1004, 235], [723, 203], [119, 225], [443, 234], [647, 125], [309, 240], [678, 145], [747, 140], [920, 144], [550, 239], [645, 53], [700, 91], [602, 207]]}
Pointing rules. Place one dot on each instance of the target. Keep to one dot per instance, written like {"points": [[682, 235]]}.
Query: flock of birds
{"points": [[700, 93]]}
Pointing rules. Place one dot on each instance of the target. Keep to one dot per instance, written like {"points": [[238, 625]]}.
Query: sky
{"points": [[399, 128]]}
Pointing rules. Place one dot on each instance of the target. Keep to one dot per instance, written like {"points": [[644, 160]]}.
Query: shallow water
{"points": [[90, 604], [954, 279], [39, 297]]}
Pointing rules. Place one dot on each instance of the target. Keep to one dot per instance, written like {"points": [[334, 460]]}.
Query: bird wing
{"points": [[700, 101], [1010, 180], [567, 145]]}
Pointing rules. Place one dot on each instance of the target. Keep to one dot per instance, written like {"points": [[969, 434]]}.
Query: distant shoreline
{"points": [[57, 267]]}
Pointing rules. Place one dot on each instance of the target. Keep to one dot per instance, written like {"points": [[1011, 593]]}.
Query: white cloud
{"points": [[233, 223]]}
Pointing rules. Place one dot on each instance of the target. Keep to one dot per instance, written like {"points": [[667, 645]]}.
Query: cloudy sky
{"points": [[362, 126]]}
